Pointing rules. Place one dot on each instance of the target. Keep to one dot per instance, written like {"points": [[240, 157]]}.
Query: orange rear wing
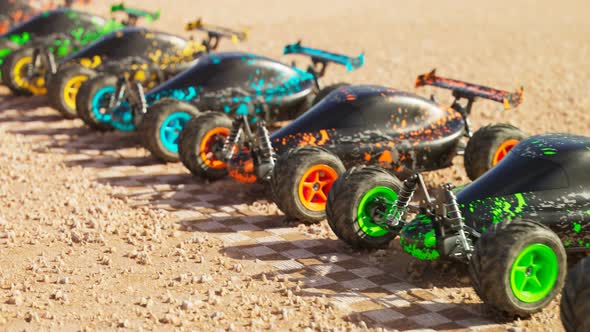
{"points": [[468, 90]]}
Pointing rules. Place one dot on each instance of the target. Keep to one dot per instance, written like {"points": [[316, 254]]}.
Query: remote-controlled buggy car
{"points": [[353, 125], [512, 226], [230, 84], [126, 80], [13, 12], [575, 298], [36, 44]]}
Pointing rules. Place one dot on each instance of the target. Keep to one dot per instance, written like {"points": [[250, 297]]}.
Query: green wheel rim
{"points": [[372, 204], [534, 273]]}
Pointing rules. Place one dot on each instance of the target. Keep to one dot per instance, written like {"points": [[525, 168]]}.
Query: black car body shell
{"points": [[129, 43], [371, 124], [376, 124], [57, 21], [236, 83], [546, 179]]}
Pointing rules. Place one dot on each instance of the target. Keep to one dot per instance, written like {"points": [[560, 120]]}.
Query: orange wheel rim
{"points": [[210, 141], [503, 150], [315, 185]]}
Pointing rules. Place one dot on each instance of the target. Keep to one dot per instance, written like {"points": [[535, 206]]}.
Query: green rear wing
{"points": [[135, 12]]}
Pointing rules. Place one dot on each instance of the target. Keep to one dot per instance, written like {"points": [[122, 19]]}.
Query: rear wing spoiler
{"points": [[134, 12], [218, 31], [317, 55], [469, 90]]}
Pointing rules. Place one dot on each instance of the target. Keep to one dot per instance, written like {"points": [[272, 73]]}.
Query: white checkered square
{"points": [[270, 240], [324, 269], [393, 301], [220, 215], [348, 298], [287, 265], [234, 237], [281, 230], [436, 306], [383, 315], [187, 214]]}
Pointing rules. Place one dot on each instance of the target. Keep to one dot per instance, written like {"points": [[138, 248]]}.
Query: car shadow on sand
{"points": [[22, 103], [380, 287]]}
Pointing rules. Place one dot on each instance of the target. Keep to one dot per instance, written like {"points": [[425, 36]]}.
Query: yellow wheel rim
{"points": [[35, 86], [71, 90]]}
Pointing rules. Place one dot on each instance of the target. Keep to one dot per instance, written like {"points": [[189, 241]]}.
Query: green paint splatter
{"points": [[425, 254], [430, 239], [427, 241], [502, 209], [21, 39], [521, 202], [577, 227]]}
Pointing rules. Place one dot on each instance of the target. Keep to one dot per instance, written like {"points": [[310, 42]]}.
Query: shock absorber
{"points": [[266, 151], [232, 140], [455, 217], [117, 97], [141, 98], [263, 136], [140, 109], [403, 200]]}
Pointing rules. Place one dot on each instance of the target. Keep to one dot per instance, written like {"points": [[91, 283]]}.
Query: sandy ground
{"points": [[80, 251]]}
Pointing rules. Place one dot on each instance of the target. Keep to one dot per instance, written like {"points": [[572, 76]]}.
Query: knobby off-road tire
{"points": [[575, 298], [488, 146], [209, 129], [92, 101], [356, 200], [160, 128], [301, 181], [64, 87], [504, 255], [13, 77]]}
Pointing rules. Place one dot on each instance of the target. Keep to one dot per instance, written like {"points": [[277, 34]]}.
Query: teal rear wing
{"points": [[321, 56]]}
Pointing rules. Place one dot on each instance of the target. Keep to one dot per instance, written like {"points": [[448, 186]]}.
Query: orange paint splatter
{"points": [[386, 157]]}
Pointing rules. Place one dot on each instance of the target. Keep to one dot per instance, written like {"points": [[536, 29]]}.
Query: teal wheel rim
{"points": [[100, 103], [375, 203], [171, 128], [534, 273]]}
